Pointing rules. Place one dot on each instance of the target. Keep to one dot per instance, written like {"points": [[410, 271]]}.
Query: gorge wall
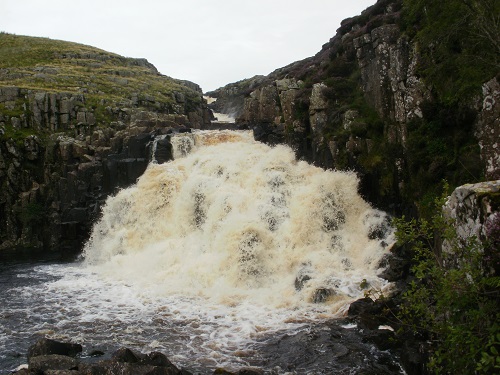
{"points": [[361, 103]]}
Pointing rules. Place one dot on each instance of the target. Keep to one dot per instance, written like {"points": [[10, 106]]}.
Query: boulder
{"points": [[127, 362], [47, 347], [470, 206], [42, 363]]}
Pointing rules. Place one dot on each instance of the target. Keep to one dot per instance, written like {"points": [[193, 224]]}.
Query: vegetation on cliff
{"points": [[459, 49], [452, 303], [460, 44]]}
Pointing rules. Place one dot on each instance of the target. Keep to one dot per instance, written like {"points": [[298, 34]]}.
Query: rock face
{"points": [[488, 128], [475, 212], [230, 98], [356, 104], [53, 185]]}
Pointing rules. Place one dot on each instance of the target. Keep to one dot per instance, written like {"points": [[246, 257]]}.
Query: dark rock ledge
{"points": [[50, 357]]}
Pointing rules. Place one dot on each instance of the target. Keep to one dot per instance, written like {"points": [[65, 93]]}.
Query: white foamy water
{"points": [[208, 254], [220, 117], [235, 221], [224, 118]]}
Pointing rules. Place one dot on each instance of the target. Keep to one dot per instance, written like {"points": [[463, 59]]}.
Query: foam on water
{"points": [[235, 221], [75, 304]]}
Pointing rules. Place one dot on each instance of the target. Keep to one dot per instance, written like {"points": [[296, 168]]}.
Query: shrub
{"points": [[453, 301], [460, 43]]}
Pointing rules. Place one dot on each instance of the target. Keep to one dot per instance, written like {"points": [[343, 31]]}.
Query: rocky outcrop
{"points": [[472, 206], [53, 184], [488, 128], [356, 104], [75, 126], [474, 211], [230, 98]]}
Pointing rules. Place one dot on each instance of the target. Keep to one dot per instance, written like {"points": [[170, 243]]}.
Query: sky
{"points": [[209, 42]]}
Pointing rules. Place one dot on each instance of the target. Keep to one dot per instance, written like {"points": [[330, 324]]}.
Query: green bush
{"points": [[460, 43], [453, 302], [441, 146]]}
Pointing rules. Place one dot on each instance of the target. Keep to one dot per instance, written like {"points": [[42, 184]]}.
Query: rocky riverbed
{"points": [[340, 347]]}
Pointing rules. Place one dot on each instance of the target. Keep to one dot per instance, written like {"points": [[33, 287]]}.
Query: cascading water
{"points": [[239, 221], [210, 253]]}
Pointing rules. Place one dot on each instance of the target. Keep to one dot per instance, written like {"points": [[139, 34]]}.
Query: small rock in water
{"points": [[96, 353], [322, 294], [47, 346], [300, 280]]}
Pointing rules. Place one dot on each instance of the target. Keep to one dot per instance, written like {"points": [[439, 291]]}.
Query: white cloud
{"points": [[210, 42]]}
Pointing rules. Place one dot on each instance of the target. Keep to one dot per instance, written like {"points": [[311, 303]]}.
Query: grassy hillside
{"points": [[104, 78], [54, 65]]}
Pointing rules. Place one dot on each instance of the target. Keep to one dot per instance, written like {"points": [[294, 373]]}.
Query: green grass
{"points": [[104, 79], [59, 66]]}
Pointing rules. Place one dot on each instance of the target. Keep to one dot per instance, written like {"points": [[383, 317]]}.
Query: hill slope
{"points": [[99, 79]]}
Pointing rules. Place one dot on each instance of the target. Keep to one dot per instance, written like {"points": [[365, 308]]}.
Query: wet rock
{"points": [[367, 312], [42, 363], [125, 355], [395, 268], [300, 280], [322, 294], [383, 338], [47, 346], [164, 151], [327, 349], [267, 133], [157, 359], [128, 361]]}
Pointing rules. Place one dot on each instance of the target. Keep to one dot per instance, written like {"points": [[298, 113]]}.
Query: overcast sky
{"points": [[210, 42]]}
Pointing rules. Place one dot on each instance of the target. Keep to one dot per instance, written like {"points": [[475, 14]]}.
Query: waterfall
{"points": [[235, 221], [154, 147]]}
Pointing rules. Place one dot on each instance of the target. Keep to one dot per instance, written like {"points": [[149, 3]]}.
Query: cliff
{"points": [[77, 123], [368, 101]]}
